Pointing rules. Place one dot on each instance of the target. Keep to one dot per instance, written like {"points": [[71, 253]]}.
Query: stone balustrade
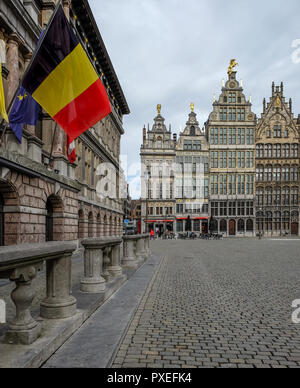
{"points": [[135, 250], [21, 264], [102, 263]]}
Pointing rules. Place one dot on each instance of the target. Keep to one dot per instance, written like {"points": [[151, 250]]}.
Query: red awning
{"points": [[158, 221], [196, 218]]}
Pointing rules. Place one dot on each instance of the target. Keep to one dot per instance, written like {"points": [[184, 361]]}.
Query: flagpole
{"points": [[28, 68], [52, 145]]}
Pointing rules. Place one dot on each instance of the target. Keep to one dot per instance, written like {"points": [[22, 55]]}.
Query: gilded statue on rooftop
{"points": [[232, 65]]}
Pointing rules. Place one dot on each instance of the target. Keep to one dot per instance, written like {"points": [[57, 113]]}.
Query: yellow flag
{"points": [[2, 99]]}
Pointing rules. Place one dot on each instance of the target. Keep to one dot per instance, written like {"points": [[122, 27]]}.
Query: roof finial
{"points": [[158, 109], [192, 107]]}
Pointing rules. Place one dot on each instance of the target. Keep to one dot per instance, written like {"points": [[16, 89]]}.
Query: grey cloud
{"points": [[175, 52]]}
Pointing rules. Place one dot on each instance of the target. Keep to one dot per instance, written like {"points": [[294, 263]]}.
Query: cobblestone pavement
{"points": [[218, 304]]}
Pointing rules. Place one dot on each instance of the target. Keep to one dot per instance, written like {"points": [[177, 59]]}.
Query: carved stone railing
{"points": [[135, 249], [21, 264], [101, 263]]}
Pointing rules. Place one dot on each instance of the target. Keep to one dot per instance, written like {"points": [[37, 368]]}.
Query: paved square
{"points": [[218, 304]]}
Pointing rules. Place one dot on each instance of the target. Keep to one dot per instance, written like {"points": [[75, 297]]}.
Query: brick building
{"points": [[42, 196]]}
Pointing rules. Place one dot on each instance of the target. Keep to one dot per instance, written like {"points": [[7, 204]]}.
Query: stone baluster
{"points": [[93, 282], [23, 329], [139, 249], [106, 263], [115, 268], [129, 258], [59, 302]]}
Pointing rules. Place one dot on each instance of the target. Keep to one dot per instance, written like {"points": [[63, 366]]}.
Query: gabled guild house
{"points": [[231, 136], [44, 197]]}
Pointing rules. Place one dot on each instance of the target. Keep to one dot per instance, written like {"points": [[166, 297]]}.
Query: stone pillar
{"points": [[115, 269], [129, 258], [93, 282], [106, 263], [143, 246], [12, 59], [139, 248], [59, 302], [148, 245], [23, 329]]}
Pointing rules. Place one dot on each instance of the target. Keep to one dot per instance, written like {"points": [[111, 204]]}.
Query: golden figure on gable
{"points": [[232, 65]]}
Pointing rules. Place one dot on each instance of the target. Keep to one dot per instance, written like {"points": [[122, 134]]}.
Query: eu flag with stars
{"points": [[25, 110]]}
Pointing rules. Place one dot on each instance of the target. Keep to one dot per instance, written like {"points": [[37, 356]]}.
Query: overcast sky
{"points": [[175, 52]]}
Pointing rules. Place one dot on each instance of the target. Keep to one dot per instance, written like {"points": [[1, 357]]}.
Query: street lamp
{"points": [[147, 178]]}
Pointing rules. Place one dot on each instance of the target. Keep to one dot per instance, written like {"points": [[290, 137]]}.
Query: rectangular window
{"points": [[241, 114], [277, 131]]}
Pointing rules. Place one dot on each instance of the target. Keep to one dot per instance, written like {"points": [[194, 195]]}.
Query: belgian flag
{"points": [[63, 81]]}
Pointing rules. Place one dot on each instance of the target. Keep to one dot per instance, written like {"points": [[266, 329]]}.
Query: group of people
{"points": [[158, 233]]}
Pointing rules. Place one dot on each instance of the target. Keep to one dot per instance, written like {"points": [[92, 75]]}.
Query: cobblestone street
{"points": [[218, 304]]}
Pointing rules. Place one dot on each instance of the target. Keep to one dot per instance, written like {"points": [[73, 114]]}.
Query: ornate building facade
{"points": [[158, 158], [192, 177], [277, 167], [230, 132], [42, 196]]}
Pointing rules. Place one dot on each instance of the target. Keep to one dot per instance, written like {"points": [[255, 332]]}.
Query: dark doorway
{"points": [[295, 228], [1, 220], [232, 230], [205, 227], [49, 221]]}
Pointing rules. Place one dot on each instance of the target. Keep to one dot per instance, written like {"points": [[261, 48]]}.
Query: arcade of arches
{"points": [[34, 211]]}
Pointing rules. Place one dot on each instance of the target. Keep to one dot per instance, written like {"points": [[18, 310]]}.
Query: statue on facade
{"points": [[232, 65]]}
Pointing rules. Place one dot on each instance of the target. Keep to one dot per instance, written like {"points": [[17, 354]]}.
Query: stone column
{"points": [[59, 302], [92, 282], [148, 245], [143, 247], [129, 259], [23, 329], [139, 249], [115, 269], [12, 59], [106, 263]]}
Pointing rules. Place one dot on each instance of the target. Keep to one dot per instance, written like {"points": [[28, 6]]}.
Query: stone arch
{"points": [[10, 216], [223, 226], [241, 225], [250, 225], [55, 226]]}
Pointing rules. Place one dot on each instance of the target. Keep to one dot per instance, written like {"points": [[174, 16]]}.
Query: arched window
{"points": [[268, 150], [259, 173], [223, 226], [295, 150], [286, 196], [268, 196], [260, 151], [268, 173], [294, 173], [1, 220], [277, 151], [286, 150], [277, 173], [241, 225], [277, 196], [260, 196], [286, 221], [295, 196], [286, 173], [250, 226], [49, 220], [192, 131]]}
